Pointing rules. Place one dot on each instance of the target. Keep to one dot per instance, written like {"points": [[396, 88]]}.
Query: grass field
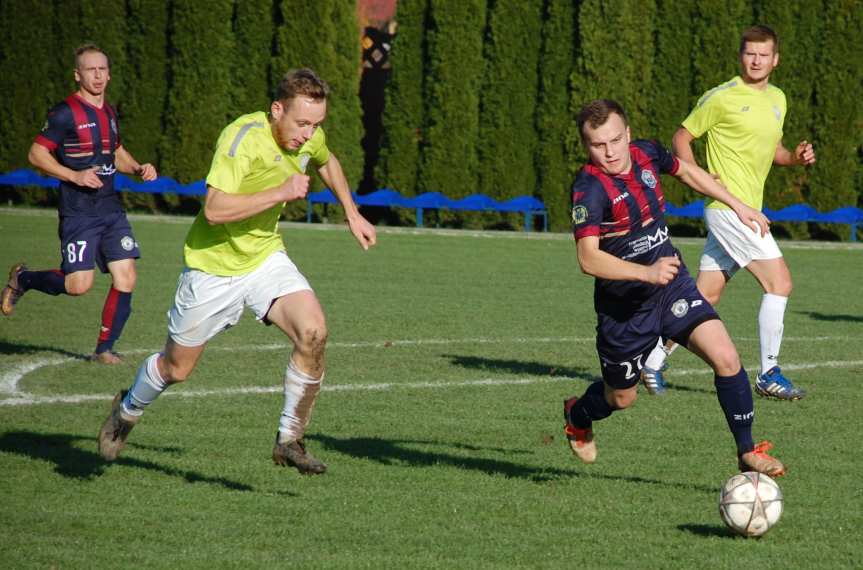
{"points": [[450, 355]]}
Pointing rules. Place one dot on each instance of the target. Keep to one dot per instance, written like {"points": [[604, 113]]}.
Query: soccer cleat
{"points": [[12, 291], [758, 460], [580, 439], [653, 380], [106, 357], [115, 430], [773, 384], [294, 454]]}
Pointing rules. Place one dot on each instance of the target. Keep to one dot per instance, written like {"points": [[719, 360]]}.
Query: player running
{"points": [[643, 290], [743, 121], [235, 258], [80, 145]]}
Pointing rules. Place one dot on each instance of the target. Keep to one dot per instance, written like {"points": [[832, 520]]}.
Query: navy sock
{"points": [[115, 313], [590, 407], [52, 281], [735, 397]]}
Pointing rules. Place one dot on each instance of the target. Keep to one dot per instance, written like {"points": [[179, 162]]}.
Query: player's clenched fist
{"points": [[295, 187], [663, 270]]}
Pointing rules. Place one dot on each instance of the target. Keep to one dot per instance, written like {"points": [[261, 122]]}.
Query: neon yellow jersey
{"points": [[248, 160], [744, 127]]}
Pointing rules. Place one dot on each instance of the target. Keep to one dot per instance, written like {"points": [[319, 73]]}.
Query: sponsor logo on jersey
{"points": [[744, 109], [648, 242], [619, 198], [648, 178], [127, 243], [106, 170], [304, 161], [579, 214], [86, 126], [679, 308]]}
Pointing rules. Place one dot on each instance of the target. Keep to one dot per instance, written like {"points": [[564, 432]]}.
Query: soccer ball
{"points": [[750, 503]]}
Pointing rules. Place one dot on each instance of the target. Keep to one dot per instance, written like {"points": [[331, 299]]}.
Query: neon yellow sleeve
{"points": [[705, 114], [230, 162]]}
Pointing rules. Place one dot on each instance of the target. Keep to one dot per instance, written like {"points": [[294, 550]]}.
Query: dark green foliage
{"points": [[672, 98], [28, 74], [507, 131], [141, 112], [716, 31], [200, 86], [103, 22], [552, 116], [838, 110], [325, 37], [253, 33], [449, 161], [404, 113]]}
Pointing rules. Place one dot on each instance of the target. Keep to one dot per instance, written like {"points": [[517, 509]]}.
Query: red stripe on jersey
{"points": [[85, 137], [636, 190], [42, 140], [619, 212]]}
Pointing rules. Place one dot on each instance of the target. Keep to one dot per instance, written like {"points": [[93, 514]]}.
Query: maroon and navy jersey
{"points": [[626, 212], [83, 136]]}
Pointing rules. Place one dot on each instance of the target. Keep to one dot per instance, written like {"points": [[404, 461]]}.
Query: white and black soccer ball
{"points": [[750, 503]]}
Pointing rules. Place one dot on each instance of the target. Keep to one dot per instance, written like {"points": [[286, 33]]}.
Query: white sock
{"points": [[656, 358], [300, 393], [146, 388], [770, 325]]}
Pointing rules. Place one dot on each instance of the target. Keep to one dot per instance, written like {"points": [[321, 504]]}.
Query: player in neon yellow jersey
{"points": [[235, 258], [743, 120]]}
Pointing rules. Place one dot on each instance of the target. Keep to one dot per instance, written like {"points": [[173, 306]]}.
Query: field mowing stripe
{"points": [[22, 399]]}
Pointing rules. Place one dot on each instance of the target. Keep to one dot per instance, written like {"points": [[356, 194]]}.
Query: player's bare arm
{"points": [[702, 182], [334, 177], [681, 144], [597, 263], [803, 155], [41, 158], [127, 164], [221, 207]]}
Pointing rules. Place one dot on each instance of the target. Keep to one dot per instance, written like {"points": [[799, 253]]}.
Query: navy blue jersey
{"points": [[626, 212], [82, 136]]}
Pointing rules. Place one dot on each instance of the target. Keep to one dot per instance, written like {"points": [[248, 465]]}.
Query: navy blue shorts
{"points": [[87, 241], [623, 345]]}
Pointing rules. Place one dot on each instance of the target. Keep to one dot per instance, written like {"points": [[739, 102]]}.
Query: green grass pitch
{"points": [[450, 355]]}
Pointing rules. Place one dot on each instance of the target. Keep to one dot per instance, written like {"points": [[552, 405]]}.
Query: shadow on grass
{"points": [[816, 316], [403, 451], [520, 367], [543, 369], [23, 348], [74, 463], [707, 530]]}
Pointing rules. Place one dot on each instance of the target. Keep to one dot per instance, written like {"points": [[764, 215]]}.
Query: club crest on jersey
{"points": [[777, 112], [579, 215], [679, 308], [304, 161], [648, 178], [127, 243]]}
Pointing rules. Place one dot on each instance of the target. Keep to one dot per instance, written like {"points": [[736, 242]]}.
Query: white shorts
{"points": [[206, 304], [731, 244]]}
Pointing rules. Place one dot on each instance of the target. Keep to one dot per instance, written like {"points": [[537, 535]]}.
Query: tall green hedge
{"points": [[508, 99], [404, 112], [325, 37], [199, 86], [553, 115], [449, 162], [253, 38]]}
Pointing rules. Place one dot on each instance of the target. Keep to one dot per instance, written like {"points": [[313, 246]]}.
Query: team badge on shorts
{"points": [[679, 308], [648, 178], [579, 215], [127, 243]]}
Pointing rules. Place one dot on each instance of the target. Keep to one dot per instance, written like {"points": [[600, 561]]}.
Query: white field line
{"points": [[9, 380], [22, 399]]}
